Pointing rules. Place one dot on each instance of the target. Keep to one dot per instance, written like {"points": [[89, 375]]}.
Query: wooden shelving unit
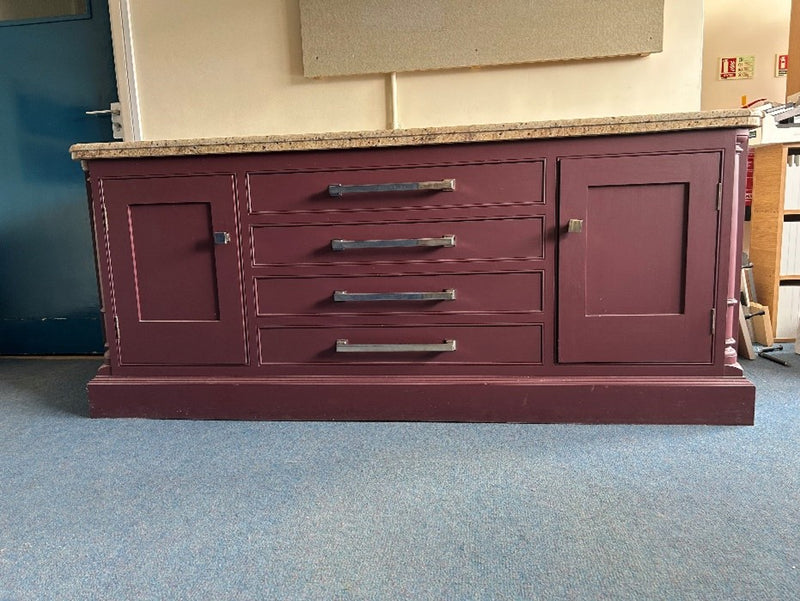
{"points": [[768, 218]]}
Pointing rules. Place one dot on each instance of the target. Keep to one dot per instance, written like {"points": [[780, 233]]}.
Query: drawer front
{"points": [[431, 294], [475, 185], [490, 239], [451, 345]]}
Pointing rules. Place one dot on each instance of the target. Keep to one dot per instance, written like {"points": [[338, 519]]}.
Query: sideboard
{"points": [[583, 271]]}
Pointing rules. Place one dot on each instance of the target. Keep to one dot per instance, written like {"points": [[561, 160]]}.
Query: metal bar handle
{"points": [[444, 241], [444, 185], [104, 112], [344, 346], [343, 296]]}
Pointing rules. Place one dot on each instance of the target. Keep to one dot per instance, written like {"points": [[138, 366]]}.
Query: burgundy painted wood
{"points": [[642, 271], [176, 296], [483, 293], [305, 194], [491, 344], [636, 400], [480, 239], [626, 321]]}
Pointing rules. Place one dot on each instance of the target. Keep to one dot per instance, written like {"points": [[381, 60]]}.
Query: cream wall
{"points": [[741, 28], [207, 68], [664, 82]]}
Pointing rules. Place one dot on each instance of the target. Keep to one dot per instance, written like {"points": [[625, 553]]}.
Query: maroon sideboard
{"points": [[576, 279]]}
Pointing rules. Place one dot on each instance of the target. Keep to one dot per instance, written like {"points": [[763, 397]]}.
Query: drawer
{"points": [[488, 239], [431, 294], [454, 345], [377, 189]]}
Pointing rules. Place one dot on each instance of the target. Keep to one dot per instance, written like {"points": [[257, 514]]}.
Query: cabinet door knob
{"points": [[575, 226], [222, 238]]}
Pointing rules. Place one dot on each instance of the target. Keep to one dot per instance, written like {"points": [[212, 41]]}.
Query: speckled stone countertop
{"points": [[566, 128]]}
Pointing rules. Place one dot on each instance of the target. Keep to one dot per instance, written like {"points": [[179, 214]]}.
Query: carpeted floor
{"points": [[140, 509]]}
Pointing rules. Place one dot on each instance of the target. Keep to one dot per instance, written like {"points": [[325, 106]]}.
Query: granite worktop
{"points": [[564, 128]]}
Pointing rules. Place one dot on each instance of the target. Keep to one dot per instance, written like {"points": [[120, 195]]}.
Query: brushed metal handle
{"points": [[444, 241], [444, 185], [344, 346], [343, 296], [575, 226]]}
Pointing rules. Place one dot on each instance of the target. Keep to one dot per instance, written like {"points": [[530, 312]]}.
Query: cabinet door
{"points": [[636, 283], [177, 295]]}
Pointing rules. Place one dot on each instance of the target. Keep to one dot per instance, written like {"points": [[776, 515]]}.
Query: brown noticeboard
{"points": [[348, 37]]}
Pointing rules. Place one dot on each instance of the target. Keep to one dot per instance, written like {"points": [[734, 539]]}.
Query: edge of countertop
{"points": [[562, 128]]}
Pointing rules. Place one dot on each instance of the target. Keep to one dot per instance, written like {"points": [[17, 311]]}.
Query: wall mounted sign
{"points": [[348, 37], [781, 65], [737, 67]]}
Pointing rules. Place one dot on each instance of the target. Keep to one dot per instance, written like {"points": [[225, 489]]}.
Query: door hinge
{"points": [[116, 327], [719, 196], [713, 321]]}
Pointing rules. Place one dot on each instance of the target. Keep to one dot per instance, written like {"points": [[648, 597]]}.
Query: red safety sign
{"points": [[737, 67], [781, 65]]}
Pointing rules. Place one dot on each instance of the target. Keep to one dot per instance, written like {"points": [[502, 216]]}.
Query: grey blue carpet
{"points": [[140, 509]]}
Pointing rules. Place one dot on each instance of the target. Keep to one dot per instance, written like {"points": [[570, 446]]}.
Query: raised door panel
{"points": [[637, 282], [177, 295]]}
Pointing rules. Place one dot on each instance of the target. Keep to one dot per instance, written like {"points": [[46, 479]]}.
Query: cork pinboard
{"points": [[348, 37]]}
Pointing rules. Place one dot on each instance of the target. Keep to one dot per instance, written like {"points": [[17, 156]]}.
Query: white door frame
{"points": [[124, 62]]}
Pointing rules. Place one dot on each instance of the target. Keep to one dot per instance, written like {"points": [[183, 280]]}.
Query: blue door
{"points": [[56, 63]]}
